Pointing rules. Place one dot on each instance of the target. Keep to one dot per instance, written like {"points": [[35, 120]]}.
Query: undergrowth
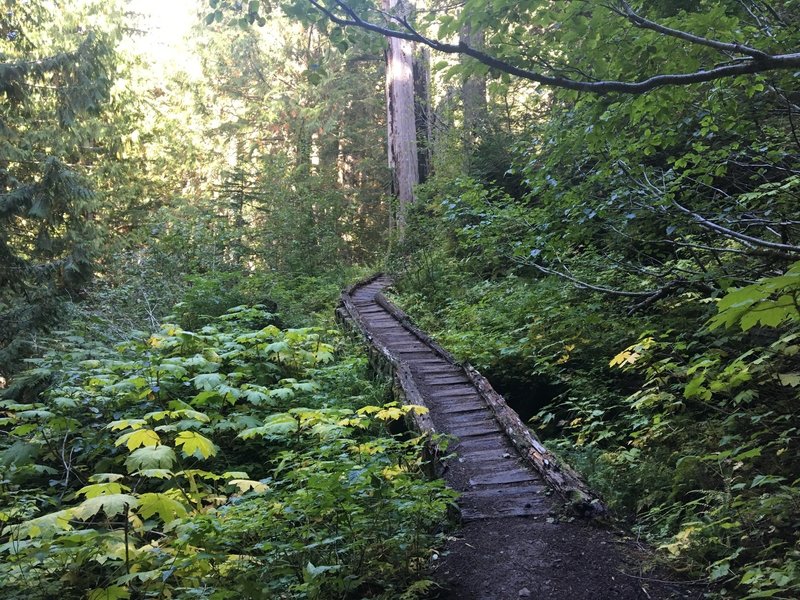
{"points": [[236, 460], [684, 418]]}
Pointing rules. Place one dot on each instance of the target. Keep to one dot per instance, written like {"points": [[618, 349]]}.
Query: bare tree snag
{"points": [[422, 111], [401, 124]]}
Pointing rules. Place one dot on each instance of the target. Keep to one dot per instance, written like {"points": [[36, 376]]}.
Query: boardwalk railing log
{"points": [[501, 469]]}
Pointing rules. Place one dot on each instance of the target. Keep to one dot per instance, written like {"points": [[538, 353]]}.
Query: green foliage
{"points": [[639, 293], [769, 303], [599, 262], [309, 193], [235, 459], [690, 433], [728, 493], [55, 81]]}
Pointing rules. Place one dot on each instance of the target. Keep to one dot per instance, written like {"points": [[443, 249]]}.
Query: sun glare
{"points": [[165, 25]]}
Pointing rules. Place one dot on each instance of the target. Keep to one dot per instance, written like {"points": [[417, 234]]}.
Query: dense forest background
{"points": [[179, 416]]}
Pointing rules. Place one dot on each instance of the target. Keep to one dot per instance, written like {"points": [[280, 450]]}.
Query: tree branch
{"points": [[675, 284], [12, 73], [643, 23], [752, 252], [648, 298], [757, 61], [588, 286], [735, 234]]}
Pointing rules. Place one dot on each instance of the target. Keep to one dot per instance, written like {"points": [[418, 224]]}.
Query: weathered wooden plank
{"points": [[445, 379], [411, 355], [463, 431], [529, 490], [476, 417], [380, 321], [435, 388], [406, 337], [429, 366], [452, 392], [469, 514], [505, 501], [493, 454], [512, 476], [472, 407], [500, 465], [424, 369], [437, 384], [494, 440], [456, 403], [406, 345]]}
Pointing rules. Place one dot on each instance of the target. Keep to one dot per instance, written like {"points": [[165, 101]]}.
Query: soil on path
{"points": [[514, 541], [515, 557]]}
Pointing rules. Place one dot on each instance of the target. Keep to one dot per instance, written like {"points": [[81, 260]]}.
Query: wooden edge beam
{"points": [[404, 389], [558, 475]]}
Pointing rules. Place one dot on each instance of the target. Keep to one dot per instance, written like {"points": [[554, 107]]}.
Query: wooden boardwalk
{"points": [[514, 541], [501, 469]]}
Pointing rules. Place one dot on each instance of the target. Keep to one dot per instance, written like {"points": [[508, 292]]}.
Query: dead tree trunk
{"points": [[402, 131], [422, 112]]}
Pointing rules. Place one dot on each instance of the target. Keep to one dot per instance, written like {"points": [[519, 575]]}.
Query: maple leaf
{"points": [[168, 509], [195, 444], [140, 437], [154, 457], [110, 504]]}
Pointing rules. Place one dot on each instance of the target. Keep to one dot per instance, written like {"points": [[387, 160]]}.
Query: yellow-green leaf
{"points": [[42, 526], [126, 424], [195, 444], [789, 379], [168, 509], [114, 592], [140, 437], [156, 473], [155, 457], [110, 504], [245, 485], [101, 489]]}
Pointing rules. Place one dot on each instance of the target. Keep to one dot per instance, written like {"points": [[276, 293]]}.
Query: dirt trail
{"points": [[514, 541]]}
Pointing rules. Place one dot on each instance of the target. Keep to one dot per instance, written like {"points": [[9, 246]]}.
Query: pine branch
{"points": [[12, 74]]}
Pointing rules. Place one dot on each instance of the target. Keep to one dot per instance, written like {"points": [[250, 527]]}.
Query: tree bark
{"points": [[422, 112], [402, 131]]}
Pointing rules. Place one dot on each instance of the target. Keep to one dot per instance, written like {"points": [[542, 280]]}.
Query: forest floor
{"points": [[512, 558], [545, 553], [515, 540]]}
